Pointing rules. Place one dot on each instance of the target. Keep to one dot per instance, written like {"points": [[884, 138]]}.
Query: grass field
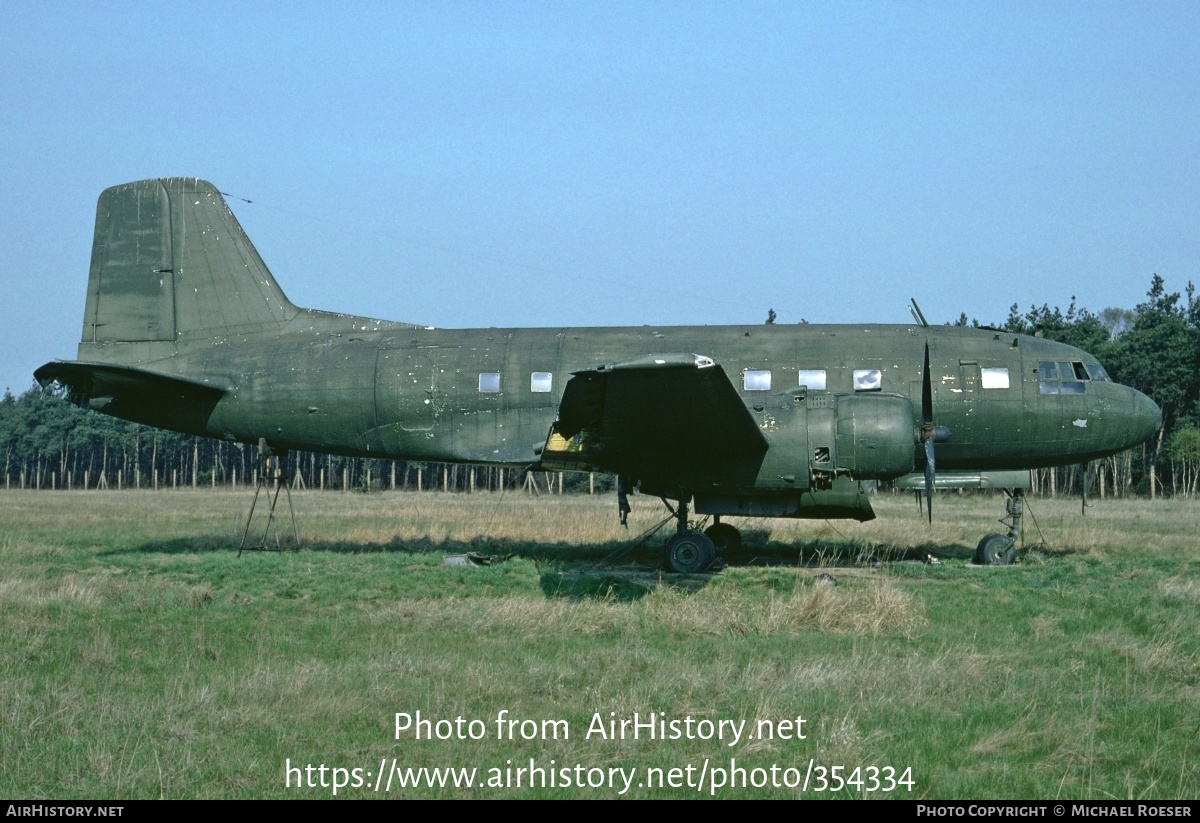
{"points": [[141, 658]]}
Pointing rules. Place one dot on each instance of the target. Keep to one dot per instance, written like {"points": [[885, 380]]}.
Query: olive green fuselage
{"points": [[359, 387]]}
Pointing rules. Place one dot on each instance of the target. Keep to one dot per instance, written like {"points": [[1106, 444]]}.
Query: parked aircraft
{"points": [[186, 329]]}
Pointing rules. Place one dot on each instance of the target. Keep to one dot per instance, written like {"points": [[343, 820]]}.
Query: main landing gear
{"points": [[1001, 549], [724, 536], [690, 551]]}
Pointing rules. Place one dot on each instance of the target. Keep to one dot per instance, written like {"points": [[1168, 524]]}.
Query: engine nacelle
{"points": [[875, 435], [816, 438], [868, 436]]}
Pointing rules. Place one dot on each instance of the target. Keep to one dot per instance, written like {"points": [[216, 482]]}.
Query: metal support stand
{"points": [[280, 483]]}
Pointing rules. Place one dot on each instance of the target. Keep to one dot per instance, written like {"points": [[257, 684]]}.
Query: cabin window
{"points": [[812, 379], [996, 378], [756, 379], [541, 382], [868, 380], [489, 382]]}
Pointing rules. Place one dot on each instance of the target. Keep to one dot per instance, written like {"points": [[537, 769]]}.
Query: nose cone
{"points": [[1145, 418]]}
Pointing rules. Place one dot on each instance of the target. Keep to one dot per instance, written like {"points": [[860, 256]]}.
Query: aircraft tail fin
{"points": [[170, 263]]}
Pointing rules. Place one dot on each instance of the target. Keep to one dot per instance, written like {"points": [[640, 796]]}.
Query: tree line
{"points": [[1155, 347]]}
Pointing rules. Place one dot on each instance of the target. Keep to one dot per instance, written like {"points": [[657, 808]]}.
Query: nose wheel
{"points": [[1001, 549], [996, 550]]}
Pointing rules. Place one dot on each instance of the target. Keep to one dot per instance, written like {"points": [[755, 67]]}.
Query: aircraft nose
{"points": [[1145, 418]]}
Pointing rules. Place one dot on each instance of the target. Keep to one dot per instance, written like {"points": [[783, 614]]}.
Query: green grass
{"points": [[142, 658]]}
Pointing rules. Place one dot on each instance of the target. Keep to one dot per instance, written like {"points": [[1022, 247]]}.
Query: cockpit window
{"points": [[1097, 372], [1062, 378]]}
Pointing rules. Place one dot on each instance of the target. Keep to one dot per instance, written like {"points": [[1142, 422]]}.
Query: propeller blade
{"points": [[930, 433], [929, 475], [926, 391]]}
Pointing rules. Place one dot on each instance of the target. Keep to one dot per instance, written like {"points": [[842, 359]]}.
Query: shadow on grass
{"points": [[593, 554], [597, 558], [613, 571], [1049, 552], [623, 585]]}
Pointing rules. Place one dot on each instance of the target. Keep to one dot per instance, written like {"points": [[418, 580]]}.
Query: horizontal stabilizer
{"points": [[135, 394]]}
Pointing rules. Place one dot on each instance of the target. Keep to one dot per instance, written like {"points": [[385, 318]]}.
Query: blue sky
{"points": [[541, 164]]}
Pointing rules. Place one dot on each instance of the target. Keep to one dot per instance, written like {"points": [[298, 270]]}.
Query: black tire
{"points": [[724, 537], [689, 552], [996, 550]]}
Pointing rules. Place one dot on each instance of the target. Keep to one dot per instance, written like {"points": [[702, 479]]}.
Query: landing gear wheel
{"points": [[996, 550], [689, 552], [724, 537]]}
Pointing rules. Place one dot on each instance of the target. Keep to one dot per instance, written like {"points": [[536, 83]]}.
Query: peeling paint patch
{"points": [[1081, 423]]}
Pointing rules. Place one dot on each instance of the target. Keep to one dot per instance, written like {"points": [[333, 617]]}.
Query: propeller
{"points": [[929, 433]]}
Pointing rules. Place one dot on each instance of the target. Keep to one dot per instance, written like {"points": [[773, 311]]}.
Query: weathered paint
{"points": [[185, 328]]}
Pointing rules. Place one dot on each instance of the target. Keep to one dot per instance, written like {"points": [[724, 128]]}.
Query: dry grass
{"points": [[868, 607], [141, 658], [383, 518], [1181, 589]]}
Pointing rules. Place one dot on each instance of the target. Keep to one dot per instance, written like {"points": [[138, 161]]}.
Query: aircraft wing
{"points": [[135, 394], [656, 411]]}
